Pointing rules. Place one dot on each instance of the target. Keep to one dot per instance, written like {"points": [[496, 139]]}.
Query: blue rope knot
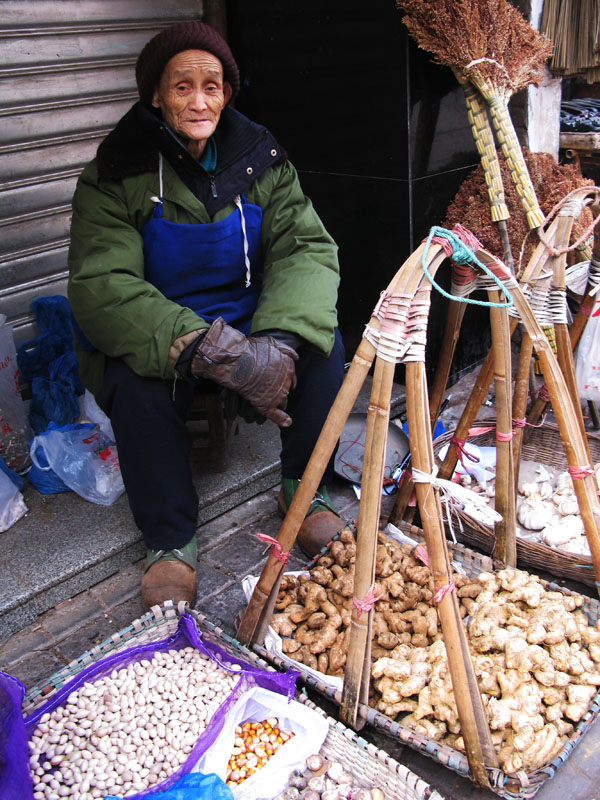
{"points": [[463, 254]]}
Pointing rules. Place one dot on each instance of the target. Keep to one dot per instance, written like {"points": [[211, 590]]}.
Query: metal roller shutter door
{"points": [[67, 76]]}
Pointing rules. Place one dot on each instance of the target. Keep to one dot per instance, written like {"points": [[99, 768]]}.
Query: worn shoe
{"points": [[170, 575], [321, 523]]}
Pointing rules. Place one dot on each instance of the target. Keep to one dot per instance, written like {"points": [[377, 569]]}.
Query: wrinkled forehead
{"points": [[192, 61]]}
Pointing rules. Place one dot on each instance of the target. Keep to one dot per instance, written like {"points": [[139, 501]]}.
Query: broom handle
{"points": [[359, 648], [486, 147], [473, 722], [514, 158]]}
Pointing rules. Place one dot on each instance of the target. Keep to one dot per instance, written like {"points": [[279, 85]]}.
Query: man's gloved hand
{"points": [[259, 368]]}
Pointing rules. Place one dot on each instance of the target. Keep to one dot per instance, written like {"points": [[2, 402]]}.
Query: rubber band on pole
{"points": [[443, 591], [277, 551], [366, 604], [522, 423], [462, 253], [543, 394], [504, 437], [578, 473]]}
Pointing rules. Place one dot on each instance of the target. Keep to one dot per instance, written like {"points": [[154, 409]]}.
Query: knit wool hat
{"points": [[187, 35]]}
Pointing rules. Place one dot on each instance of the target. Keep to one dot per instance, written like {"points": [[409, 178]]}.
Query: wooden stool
{"points": [[212, 432]]}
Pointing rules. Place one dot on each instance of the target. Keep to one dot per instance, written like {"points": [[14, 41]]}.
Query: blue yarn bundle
{"points": [[48, 364]]}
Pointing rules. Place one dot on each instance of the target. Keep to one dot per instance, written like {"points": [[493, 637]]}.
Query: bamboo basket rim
{"points": [[514, 787], [529, 553], [370, 765]]}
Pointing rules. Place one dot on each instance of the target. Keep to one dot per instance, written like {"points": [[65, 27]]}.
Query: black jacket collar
{"points": [[245, 150]]}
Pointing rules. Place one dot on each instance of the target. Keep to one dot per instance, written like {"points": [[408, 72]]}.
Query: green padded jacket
{"points": [[124, 316]]}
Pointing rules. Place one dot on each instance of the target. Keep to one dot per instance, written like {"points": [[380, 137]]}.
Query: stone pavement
{"points": [[94, 609]]}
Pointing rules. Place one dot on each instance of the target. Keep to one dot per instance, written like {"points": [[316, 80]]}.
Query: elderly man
{"points": [[196, 257]]}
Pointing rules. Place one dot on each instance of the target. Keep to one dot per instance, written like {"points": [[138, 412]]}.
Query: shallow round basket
{"points": [[545, 447]]}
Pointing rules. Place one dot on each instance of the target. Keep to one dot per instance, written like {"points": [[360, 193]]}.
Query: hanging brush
{"points": [[490, 44]]}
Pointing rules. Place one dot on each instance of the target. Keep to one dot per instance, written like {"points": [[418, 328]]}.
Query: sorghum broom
{"points": [[490, 44]]}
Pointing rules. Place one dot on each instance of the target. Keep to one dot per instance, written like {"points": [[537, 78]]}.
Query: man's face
{"points": [[191, 95]]}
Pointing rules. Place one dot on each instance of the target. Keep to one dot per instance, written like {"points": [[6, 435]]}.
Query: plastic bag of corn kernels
{"points": [[308, 732]]}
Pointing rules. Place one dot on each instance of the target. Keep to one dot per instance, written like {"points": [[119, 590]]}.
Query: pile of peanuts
{"points": [[255, 743], [127, 731]]}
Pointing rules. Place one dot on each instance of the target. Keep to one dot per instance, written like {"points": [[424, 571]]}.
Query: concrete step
{"points": [[65, 544]]}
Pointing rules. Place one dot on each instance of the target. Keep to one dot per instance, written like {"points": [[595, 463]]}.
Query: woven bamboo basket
{"points": [[370, 765], [545, 447], [505, 785]]}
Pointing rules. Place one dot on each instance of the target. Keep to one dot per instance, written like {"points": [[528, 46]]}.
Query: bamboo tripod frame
{"points": [[410, 282]]}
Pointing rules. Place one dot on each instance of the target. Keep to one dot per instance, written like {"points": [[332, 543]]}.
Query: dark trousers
{"points": [[148, 417]]}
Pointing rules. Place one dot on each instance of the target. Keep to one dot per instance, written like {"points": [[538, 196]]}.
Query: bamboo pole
{"points": [[520, 395], [454, 319], [574, 443], [561, 330], [255, 621], [482, 384], [473, 722], [505, 547], [581, 317], [356, 689]]}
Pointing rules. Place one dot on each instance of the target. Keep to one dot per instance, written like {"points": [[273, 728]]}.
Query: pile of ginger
{"points": [[535, 654]]}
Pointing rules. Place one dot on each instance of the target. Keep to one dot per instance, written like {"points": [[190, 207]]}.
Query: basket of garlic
{"points": [[550, 534], [535, 649], [74, 756]]}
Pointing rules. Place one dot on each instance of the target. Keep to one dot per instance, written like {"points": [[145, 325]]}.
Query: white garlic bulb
{"points": [[564, 484], [528, 488], [533, 513], [568, 505], [545, 490], [562, 530]]}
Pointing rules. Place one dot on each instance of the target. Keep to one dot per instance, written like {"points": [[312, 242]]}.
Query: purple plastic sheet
{"points": [[15, 778], [187, 634]]}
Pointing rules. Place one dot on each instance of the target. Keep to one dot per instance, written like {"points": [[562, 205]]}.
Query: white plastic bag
{"points": [[273, 642], [84, 458], [91, 411], [15, 432], [12, 505], [310, 731], [587, 359]]}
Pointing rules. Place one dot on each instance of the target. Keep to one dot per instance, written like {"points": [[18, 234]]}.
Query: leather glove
{"points": [[259, 368]]}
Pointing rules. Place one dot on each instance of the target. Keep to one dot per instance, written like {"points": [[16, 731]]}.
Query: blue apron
{"points": [[212, 268]]}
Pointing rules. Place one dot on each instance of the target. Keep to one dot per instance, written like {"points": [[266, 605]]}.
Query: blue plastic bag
{"points": [[193, 786]]}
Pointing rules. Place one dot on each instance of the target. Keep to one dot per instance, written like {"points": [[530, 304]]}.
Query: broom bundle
{"points": [[551, 182], [491, 45]]}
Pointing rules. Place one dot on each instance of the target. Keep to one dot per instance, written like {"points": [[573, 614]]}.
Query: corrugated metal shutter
{"points": [[67, 76]]}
